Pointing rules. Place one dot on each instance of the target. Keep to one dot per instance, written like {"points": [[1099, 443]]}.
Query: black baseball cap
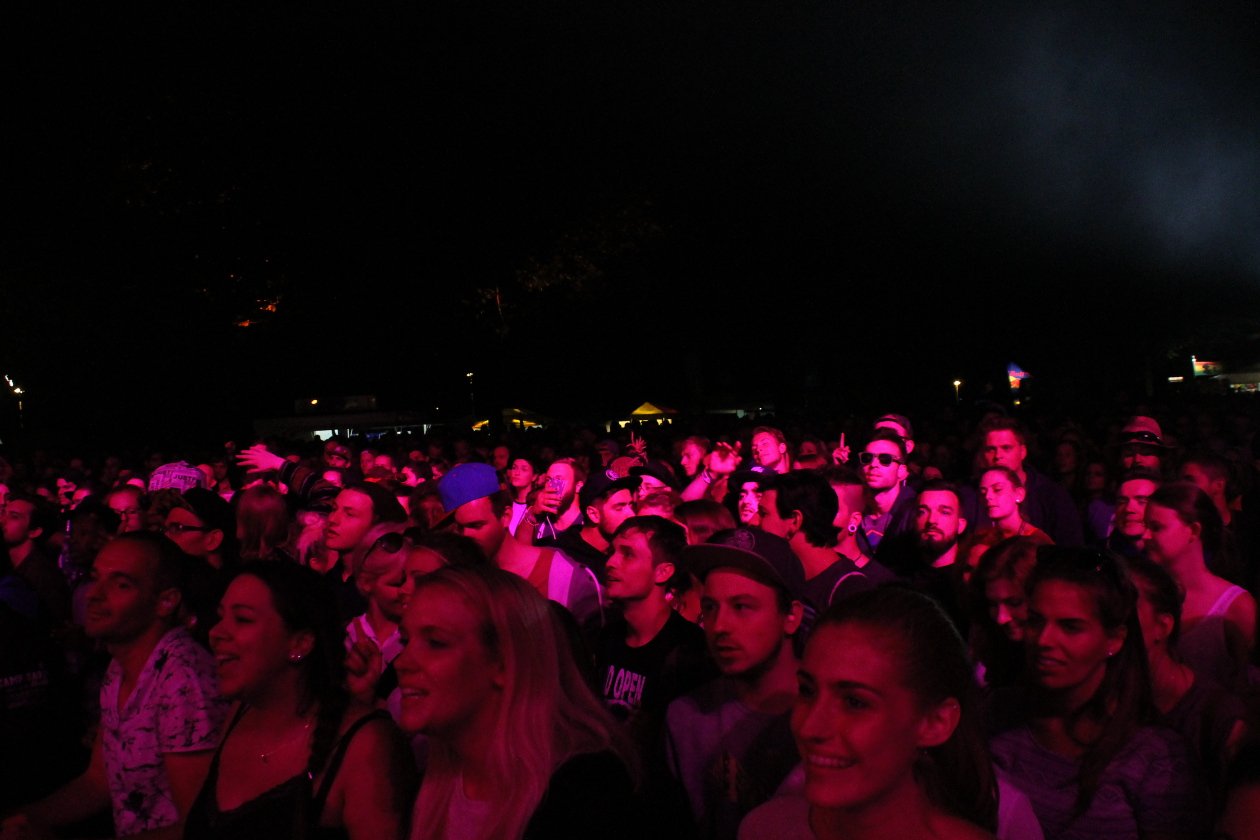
{"points": [[760, 555]]}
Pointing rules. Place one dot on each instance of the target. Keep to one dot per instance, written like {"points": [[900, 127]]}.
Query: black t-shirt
{"points": [[839, 580], [590, 795], [638, 683], [571, 543]]}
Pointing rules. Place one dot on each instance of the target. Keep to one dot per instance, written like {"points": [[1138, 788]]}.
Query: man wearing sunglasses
{"points": [[887, 532], [1142, 445]]}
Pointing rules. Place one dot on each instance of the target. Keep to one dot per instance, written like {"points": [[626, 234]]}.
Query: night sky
{"points": [[591, 205]]}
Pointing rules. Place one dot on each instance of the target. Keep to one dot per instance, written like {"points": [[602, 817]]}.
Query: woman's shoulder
{"points": [[1242, 603], [362, 724]]}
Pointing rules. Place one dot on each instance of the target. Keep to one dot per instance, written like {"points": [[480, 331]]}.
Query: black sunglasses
{"points": [[883, 457], [1142, 437]]}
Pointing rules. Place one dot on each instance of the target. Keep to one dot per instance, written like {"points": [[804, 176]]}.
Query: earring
{"points": [[852, 529]]}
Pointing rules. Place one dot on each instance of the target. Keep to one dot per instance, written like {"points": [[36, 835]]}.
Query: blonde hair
{"points": [[546, 713], [381, 561], [376, 563]]}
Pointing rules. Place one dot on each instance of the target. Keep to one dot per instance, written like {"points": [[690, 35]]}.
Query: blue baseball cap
{"points": [[467, 483]]}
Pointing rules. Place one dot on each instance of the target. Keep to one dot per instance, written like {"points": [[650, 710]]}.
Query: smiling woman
{"points": [[887, 724], [298, 759], [519, 746]]}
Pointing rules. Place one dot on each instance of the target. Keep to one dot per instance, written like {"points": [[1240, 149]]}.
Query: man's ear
{"points": [[962, 525], [662, 572], [214, 539], [592, 514], [169, 601], [792, 621], [939, 723], [796, 521], [855, 519]]}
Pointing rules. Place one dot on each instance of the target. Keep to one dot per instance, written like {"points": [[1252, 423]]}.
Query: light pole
{"points": [[957, 385], [17, 392]]}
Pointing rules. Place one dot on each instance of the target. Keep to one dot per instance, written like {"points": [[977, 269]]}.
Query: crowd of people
{"points": [[987, 629]]}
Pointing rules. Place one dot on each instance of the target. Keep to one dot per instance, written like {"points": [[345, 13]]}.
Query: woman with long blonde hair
{"points": [[487, 674]]}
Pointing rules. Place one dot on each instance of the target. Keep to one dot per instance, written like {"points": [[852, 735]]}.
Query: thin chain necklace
{"points": [[265, 757]]}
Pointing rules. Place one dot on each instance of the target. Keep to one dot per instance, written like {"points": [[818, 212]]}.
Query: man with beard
{"points": [[1142, 445], [939, 572], [556, 507], [938, 524], [607, 500], [745, 493]]}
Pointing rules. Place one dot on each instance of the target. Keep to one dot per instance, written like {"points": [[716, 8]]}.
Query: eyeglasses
{"points": [[181, 528], [883, 457], [1142, 437]]}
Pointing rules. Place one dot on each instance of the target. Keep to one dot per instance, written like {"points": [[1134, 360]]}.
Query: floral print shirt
{"points": [[175, 707]]}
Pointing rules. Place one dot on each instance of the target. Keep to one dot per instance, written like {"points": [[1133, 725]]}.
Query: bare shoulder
{"points": [[1243, 610], [375, 733]]}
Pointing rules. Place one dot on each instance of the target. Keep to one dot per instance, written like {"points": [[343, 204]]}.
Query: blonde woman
{"points": [[519, 747]]}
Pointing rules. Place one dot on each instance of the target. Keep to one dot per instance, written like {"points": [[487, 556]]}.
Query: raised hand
{"points": [[258, 459], [638, 446], [841, 453], [724, 459], [363, 670]]}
